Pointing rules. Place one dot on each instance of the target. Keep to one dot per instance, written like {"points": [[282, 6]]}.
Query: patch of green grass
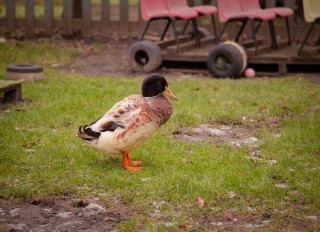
{"points": [[41, 156], [43, 51]]}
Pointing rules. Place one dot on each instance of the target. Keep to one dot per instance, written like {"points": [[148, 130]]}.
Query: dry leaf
{"points": [[200, 202], [232, 195], [110, 219], [281, 185], [228, 215]]}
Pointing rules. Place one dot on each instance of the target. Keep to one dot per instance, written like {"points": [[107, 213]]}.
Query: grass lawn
{"points": [[40, 156]]}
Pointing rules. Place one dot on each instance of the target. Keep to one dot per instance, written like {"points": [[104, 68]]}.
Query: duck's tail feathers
{"points": [[87, 134]]}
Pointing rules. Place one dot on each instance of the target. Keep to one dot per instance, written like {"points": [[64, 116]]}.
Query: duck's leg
{"points": [[126, 161], [133, 162]]}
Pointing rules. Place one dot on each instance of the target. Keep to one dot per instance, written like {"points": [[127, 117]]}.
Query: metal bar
{"points": [[165, 30], [307, 36], [214, 27], [244, 23], [254, 34], [196, 32], [288, 31], [272, 34]]}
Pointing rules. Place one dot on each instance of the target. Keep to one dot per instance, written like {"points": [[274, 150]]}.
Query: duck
{"points": [[131, 121]]}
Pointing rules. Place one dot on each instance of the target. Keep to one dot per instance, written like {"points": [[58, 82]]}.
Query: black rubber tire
{"points": [[202, 32], [144, 55], [24, 68], [226, 60]]}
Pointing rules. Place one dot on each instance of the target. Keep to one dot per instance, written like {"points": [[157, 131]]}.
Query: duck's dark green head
{"points": [[155, 85]]}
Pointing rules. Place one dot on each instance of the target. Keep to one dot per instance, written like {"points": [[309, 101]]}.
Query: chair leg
{"points": [[165, 29], [196, 32], [214, 27], [175, 33], [185, 27], [145, 29], [288, 31], [254, 34], [222, 31], [272, 35], [244, 23], [307, 36], [258, 26]]}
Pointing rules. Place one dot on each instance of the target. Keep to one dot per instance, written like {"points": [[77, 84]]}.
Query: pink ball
{"points": [[249, 73]]}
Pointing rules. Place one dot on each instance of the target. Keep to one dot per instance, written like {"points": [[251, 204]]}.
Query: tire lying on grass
{"points": [[144, 55], [32, 72], [227, 59]]}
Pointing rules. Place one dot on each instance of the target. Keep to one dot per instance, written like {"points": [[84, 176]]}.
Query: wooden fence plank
{"points": [[10, 16], [86, 17], [67, 17], [124, 16], [48, 16], [105, 16], [29, 20]]}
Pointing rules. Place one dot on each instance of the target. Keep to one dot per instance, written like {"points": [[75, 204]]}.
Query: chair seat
{"points": [[205, 9], [260, 14], [183, 12], [281, 11], [162, 13]]}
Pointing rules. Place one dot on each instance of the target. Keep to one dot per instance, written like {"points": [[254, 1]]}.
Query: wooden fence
{"points": [[97, 17]]}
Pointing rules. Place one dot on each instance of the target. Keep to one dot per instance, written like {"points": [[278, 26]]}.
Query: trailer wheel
{"points": [[227, 60], [202, 32], [144, 55]]}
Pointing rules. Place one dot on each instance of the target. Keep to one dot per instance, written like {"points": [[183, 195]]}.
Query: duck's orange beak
{"points": [[167, 92]]}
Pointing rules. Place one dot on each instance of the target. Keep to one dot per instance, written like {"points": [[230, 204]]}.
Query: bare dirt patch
{"points": [[217, 134], [61, 214]]}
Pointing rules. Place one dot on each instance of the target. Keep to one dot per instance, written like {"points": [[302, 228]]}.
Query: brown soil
{"points": [[61, 214]]}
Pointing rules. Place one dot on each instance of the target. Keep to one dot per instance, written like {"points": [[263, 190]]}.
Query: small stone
{"points": [[313, 218], [64, 215], [79, 203], [272, 162], [281, 185]]}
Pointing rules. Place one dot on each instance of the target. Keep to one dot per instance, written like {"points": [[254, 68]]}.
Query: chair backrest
{"points": [[250, 5], [228, 9], [177, 3], [311, 10], [151, 8]]}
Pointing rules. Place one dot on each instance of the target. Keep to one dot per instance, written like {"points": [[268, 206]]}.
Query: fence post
{"points": [[86, 17], [124, 16], [10, 16], [29, 20], [105, 16], [67, 17], [48, 16]]}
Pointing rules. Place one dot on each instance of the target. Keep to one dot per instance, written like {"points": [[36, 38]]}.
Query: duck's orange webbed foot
{"points": [[126, 161], [134, 162]]}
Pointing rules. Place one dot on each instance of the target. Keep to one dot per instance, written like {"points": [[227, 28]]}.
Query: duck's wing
{"points": [[120, 116]]}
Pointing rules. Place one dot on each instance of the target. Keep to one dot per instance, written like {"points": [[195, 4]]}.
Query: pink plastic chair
{"points": [[253, 6], [231, 11], [159, 10], [178, 5], [253, 10]]}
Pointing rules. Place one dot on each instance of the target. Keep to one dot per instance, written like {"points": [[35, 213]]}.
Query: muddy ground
{"points": [[65, 213]]}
